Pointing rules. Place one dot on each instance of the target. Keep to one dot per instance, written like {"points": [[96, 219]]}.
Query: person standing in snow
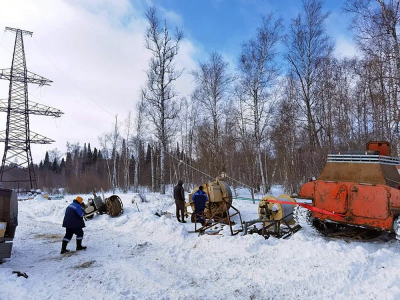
{"points": [[179, 196], [74, 224], [199, 199]]}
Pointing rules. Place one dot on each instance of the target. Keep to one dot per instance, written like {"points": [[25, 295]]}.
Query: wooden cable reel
{"points": [[114, 206]]}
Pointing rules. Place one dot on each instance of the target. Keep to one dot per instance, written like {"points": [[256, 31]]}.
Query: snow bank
{"points": [[39, 197], [142, 256]]}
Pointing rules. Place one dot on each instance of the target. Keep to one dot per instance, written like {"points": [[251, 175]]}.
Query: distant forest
{"points": [[289, 103]]}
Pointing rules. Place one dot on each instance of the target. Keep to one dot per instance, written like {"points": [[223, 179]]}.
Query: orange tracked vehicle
{"points": [[362, 188]]}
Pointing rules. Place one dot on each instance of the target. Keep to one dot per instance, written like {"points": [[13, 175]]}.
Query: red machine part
{"points": [[382, 147], [372, 206]]}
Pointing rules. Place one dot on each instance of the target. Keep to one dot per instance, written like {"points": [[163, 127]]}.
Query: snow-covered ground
{"points": [[141, 256]]}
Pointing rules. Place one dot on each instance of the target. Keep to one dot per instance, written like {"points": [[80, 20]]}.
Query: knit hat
{"points": [[79, 199]]}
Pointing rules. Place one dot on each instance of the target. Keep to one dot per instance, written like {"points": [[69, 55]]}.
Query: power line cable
{"points": [[4, 48], [243, 184], [2, 37], [181, 161], [208, 175], [75, 86], [39, 87]]}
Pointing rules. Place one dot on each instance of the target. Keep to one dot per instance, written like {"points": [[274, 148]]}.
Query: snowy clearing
{"points": [[141, 256]]}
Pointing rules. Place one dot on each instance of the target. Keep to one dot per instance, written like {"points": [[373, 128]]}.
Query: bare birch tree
{"points": [[258, 73], [307, 47], [115, 137], [213, 81], [104, 142], [136, 142], [376, 26], [152, 166], [159, 92], [127, 152]]}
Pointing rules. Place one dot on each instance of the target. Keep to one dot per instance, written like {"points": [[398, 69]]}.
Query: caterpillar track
{"points": [[357, 194], [334, 230]]}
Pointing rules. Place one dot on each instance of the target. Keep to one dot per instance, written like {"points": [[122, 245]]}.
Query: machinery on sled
{"points": [[99, 205], [276, 218], [361, 189], [218, 210]]}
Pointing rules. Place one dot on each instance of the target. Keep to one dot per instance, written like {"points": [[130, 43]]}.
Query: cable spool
{"points": [[276, 211], [217, 192], [226, 191], [114, 206]]}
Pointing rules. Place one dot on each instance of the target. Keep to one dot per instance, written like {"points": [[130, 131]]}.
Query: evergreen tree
{"points": [[54, 167], [62, 165], [148, 154], [95, 155], [68, 165], [99, 155], [89, 158], [46, 163], [84, 157]]}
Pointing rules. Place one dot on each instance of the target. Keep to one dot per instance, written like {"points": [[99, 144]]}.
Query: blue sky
{"points": [[223, 25], [94, 52]]}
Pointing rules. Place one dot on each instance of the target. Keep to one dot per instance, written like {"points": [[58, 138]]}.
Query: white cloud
{"points": [[172, 17], [185, 62], [98, 46], [337, 26], [344, 47]]}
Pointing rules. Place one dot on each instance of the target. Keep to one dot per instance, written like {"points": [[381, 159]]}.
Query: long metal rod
{"points": [[6, 147]]}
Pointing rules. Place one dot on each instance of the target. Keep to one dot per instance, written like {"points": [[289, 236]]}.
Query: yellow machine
{"points": [[218, 210], [273, 213], [276, 211], [217, 191]]}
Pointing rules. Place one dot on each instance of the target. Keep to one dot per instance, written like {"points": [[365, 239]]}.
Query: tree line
{"points": [[289, 103]]}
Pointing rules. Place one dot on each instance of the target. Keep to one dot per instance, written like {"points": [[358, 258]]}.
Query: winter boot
{"points": [[179, 220], [79, 245], [64, 247], [183, 221]]}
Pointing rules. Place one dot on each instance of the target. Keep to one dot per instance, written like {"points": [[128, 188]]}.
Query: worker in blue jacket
{"points": [[73, 223], [199, 199]]}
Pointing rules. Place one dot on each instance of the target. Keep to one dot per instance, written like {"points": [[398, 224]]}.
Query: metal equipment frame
{"points": [[216, 217], [277, 231]]}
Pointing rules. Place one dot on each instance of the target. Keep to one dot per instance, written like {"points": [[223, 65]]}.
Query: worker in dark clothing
{"points": [[199, 199], [73, 223], [179, 196]]}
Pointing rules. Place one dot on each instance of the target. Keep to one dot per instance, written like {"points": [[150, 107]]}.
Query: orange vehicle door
{"points": [[369, 201], [331, 196]]}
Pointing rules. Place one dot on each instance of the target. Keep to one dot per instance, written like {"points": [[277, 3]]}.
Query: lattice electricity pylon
{"points": [[17, 136]]}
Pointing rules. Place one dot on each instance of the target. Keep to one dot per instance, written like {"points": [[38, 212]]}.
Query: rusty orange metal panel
{"points": [[394, 198], [307, 190], [331, 196], [382, 147], [370, 202], [386, 224]]}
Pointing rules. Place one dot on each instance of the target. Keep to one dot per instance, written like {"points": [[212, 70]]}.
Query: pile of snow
{"points": [[141, 256], [39, 197]]}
